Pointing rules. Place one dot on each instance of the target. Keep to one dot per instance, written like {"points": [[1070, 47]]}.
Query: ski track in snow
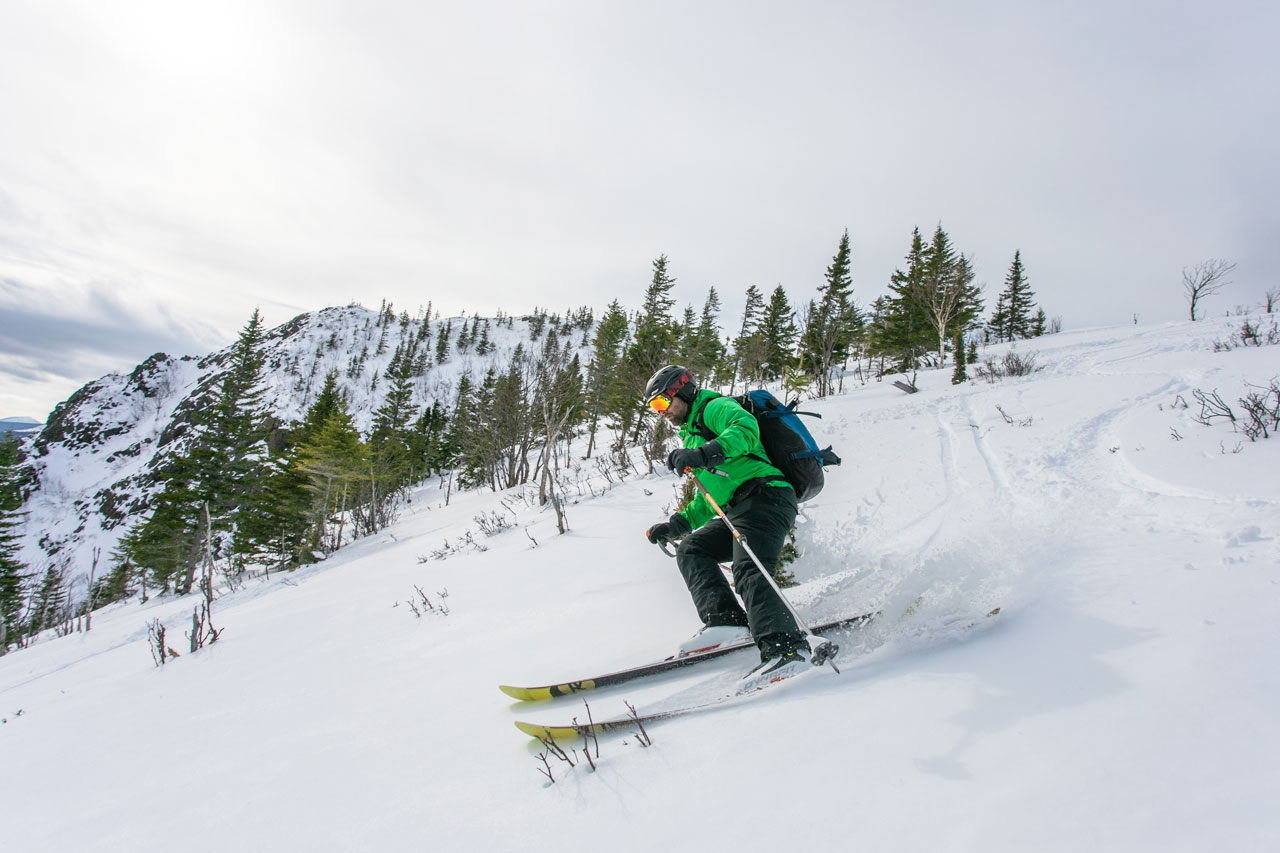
{"points": [[1124, 698]]}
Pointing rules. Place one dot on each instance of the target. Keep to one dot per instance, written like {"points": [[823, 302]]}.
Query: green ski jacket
{"points": [[738, 435]]}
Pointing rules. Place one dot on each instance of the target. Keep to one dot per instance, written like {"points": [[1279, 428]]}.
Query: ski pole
{"points": [[825, 650]]}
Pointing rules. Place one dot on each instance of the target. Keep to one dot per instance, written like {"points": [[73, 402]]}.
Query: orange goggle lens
{"points": [[660, 403]]}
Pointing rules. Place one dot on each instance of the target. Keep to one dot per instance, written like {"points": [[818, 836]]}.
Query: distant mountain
{"points": [[19, 425], [94, 464]]}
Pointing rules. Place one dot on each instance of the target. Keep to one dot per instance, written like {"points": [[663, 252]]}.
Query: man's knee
{"points": [[704, 542]]}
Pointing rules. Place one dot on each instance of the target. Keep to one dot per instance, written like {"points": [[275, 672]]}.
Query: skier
{"points": [[758, 500]]}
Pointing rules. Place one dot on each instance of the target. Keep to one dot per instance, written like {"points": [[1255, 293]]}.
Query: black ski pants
{"points": [[763, 517]]}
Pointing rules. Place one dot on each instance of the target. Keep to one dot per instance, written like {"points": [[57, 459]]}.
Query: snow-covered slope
{"points": [[1126, 697], [94, 461]]}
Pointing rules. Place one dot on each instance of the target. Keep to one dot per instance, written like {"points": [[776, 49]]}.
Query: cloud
{"points": [[96, 322], [65, 338], [505, 156]]}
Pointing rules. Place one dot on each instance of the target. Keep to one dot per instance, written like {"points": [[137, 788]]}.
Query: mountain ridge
{"points": [[93, 466]]}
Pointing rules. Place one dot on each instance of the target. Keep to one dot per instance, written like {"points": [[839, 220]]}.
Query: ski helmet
{"points": [[674, 381]]}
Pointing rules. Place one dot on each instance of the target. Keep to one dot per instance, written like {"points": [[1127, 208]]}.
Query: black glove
{"points": [[669, 530], [708, 455]]}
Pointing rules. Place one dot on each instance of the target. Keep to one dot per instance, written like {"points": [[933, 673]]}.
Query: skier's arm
{"points": [[698, 512], [737, 434], [736, 429]]}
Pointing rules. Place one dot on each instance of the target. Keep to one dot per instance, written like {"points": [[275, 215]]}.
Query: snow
{"points": [[1125, 698], [93, 480]]}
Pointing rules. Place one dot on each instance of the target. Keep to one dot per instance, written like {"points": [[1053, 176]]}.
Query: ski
{"points": [[569, 688], [723, 690], [564, 733]]}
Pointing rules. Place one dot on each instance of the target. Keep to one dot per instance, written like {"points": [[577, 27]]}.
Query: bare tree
{"points": [[93, 590], [1204, 279], [944, 300], [1273, 296], [554, 422]]}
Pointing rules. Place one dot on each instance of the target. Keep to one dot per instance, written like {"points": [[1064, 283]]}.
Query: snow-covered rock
{"points": [[94, 462]]}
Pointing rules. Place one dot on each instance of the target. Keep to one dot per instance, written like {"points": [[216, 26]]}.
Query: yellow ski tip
{"points": [[547, 732], [526, 694], [534, 694]]}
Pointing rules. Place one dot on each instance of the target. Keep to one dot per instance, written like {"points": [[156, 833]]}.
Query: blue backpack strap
{"points": [[788, 409], [826, 456], [700, 427]]}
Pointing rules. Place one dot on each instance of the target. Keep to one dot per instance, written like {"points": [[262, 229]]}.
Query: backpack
{"points": [[787, 442]]}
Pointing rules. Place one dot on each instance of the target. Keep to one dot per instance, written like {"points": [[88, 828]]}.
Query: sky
{"points": [[168, 167]]}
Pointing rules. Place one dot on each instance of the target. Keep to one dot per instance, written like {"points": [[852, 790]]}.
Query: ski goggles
{"points": [[660, 403]]}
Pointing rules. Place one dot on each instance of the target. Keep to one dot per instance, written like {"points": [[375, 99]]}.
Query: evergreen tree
{"points": [[118, 583], [879, 337], [686, 347], [49, 604], [442, 343], [333, 460], [930, 301], [424, 325], [274, 522], [389, 438], [230, 448], [749, 352], [12, 571], [833, 323], [168, 542], [276, 525], [903, 332], [327, 403], [1018, 301], [998, 327], [382, 338], [968, 316], [508, 421], [478, 455], [959, 375], [465, 436], [427, 441], [653, 346], [654, 343], [705, 351], [778, 330], [458, 432], [206, 488], [606, 388], [684, 334], [946, 295], [236, 419], [390, 456]]}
